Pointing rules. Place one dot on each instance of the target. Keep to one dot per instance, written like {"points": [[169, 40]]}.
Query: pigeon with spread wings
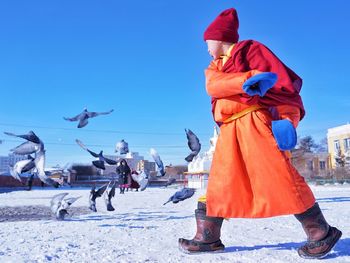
{"points": [[59, 205], [22, 166], [181, 195], [100, 163], [32, 145], [84, 116]]}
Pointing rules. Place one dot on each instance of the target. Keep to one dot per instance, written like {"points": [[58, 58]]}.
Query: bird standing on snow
{"points": [[193, 143], [59, 206], [85, 115], [100, 163]]}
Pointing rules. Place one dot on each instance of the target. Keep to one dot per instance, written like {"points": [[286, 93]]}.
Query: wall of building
{"points": [[311, 165], [339, 134]]}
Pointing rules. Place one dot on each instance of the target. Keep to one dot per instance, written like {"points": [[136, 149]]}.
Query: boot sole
{"points": [[325, 253], [188, 252]]}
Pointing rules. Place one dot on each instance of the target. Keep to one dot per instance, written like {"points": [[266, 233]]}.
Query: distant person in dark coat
{"points": [[123, 171]]}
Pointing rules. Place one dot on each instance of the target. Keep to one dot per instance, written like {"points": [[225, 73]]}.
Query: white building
{"points": [[10, 160], [202, 162], [338, 139], [198, 169]]}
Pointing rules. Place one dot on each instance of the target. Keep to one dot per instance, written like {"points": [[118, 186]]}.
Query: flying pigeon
{"points": [[141, 179], [158, 161], [94, 194], [59, 205], [108, 194], [40, 167], [100, 163], [122, 147], [30, 136], [194, 145], [85, 115], [22, 167], [181, 195], [32, 145]]}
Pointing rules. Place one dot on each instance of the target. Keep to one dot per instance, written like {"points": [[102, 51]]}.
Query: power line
{"points": [[102, 145], [90, 130]]}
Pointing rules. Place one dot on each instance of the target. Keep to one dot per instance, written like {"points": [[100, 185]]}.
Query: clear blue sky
{"points": [[145, 60]]}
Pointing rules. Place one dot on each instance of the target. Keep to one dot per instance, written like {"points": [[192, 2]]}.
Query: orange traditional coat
{"points": [[250, 177]]}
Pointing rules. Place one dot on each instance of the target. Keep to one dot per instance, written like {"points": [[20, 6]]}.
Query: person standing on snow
{"points": [[123, 170], [251, 175]]}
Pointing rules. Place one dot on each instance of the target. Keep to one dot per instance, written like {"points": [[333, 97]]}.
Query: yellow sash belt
{"points": [[242, 113]]}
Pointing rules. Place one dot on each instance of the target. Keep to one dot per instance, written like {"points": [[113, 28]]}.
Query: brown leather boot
{"points": [[207, 238], [321, 237]]}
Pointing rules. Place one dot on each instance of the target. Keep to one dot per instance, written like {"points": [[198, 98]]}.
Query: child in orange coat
{"points": [[251, 175]]}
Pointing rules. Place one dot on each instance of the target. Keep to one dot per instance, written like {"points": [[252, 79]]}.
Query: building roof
{"points": [[340, 130]]}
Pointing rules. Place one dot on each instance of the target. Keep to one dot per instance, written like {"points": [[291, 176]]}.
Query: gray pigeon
{"points": [[122, 147], [22, 167], [141, 178], [40, 167], [158, 161], [181, 195], [85, 115], [194, 145], [108, 194], [33, 144], [100, 163], [30, 136], [59, 205], [94, 194], [26, 148]]}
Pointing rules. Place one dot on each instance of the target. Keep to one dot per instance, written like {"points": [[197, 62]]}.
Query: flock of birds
{"points": [[34, 149]]}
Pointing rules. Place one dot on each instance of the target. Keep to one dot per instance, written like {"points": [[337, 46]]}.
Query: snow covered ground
{"points": [[141, 229]]}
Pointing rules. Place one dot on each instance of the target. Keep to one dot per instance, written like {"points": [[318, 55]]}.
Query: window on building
{"points": [[322, 165], [336, 145], [347, 144], [310, 165]]}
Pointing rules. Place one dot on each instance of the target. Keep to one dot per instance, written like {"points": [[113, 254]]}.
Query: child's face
{"points": [[215, 48]]}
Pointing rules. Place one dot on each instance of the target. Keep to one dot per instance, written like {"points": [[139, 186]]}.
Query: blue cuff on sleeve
{"points": [[285, 134], [264, 82]]}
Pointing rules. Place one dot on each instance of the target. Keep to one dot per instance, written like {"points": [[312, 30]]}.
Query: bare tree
{"points": [[307, 144], [340, 158], [322, 146]]}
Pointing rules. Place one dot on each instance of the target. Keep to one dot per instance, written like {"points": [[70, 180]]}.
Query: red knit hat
{"points": [[224, 27]]}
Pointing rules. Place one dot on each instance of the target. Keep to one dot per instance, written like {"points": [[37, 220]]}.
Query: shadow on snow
{"points": [[341, 248]]}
